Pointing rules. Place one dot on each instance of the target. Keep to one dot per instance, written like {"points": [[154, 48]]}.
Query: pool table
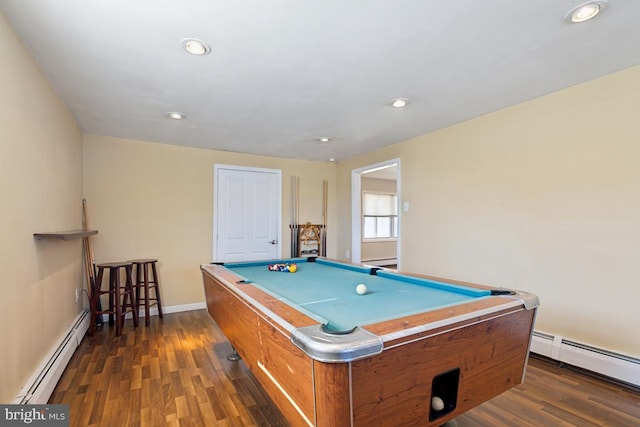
{"points": [[411, 350]]}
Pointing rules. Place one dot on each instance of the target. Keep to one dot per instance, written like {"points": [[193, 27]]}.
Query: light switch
{"points": [[405, 207]]}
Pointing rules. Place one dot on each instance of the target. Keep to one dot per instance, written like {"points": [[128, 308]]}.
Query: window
{"points": [[380, 216]]}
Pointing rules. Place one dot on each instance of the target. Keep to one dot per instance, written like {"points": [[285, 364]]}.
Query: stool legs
{"points": [[128, 294], [121, 296], [114, 295], [94, 302], [156, 288], [146, 280]]}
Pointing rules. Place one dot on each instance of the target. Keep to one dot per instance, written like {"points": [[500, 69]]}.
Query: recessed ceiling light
{"points": [[586, 11], [399, 102], [175, 115], [195, 46], [324, 139]]}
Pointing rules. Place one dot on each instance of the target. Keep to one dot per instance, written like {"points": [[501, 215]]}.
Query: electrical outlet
{"points": [[346, 253], [77, 295]]}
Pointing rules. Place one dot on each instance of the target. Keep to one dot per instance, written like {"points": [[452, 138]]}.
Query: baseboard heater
{"points": [[620, 367], [380, 262], [42, 383]]}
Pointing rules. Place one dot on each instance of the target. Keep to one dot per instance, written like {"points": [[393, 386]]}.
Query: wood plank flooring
{"points": [[175, 373]]}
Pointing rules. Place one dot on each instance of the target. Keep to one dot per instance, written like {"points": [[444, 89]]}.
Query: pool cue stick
{"points": [[86, 252], [325, 192], [90, 265], [297, 215], [297, 206], [294, 216], [87, 268]]}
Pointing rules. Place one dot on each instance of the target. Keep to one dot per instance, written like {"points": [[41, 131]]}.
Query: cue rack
{"points": [[307, 239]]}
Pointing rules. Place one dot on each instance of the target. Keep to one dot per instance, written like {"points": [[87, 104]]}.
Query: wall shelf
{"points": [[65, 235]]}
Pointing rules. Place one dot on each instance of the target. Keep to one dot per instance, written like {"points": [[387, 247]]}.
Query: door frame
{"points": [[219, 166], [356, 209]]}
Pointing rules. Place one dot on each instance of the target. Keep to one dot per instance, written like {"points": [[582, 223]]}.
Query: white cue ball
{"points": [[361, 289], [437, 403]]}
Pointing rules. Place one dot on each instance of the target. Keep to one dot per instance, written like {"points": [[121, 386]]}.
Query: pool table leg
{"points": [[233, 356]]}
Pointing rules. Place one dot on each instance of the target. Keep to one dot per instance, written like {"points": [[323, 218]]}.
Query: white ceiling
{"points": [[284, 72]]}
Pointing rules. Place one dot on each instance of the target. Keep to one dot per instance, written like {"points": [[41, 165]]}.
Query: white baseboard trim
{"points": [[153, 311], [380, 262], [614, 365], [40, 386], [182, 307]]}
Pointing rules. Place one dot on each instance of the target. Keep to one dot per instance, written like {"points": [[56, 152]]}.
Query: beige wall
{"points": [[543, 196], [156, 200], [40, 171]]}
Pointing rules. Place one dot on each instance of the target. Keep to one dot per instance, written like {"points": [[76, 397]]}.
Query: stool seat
{"points": [[142, 260], [121, 296], [146, 280], [114, 264]]}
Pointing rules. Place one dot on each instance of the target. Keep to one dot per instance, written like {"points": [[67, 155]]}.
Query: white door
{"points": [[246, 223]]}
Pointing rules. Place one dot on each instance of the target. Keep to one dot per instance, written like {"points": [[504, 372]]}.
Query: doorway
{"points": [[247, 213], [380, 181]]}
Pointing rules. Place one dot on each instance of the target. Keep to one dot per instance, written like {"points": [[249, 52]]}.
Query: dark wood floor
{"points": [[175, 372]]}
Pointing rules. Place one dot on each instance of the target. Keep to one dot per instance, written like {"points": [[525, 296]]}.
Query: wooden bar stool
{"points": [[121, 297], [146, 280]]}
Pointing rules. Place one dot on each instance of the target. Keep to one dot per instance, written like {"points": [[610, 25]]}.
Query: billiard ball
{"points": [[361, 289], [437, 404]]}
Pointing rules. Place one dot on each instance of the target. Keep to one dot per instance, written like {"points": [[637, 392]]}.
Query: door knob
{"points": [[273, 242]]}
